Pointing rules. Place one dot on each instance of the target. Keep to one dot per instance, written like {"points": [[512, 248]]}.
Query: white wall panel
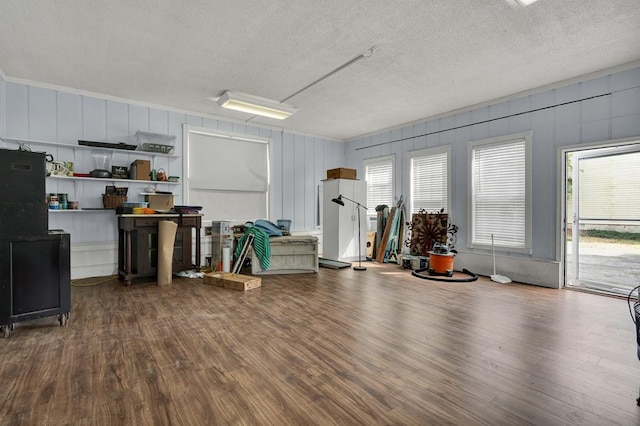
{"points": [[500, 125], [3, 107], [210, 123], [433, 134], [158, 122], [596, 109], [42, 109], [222, 125], [138, 119], [275, 204], [420, 139], [288, 177], [540, 101], [625, 103], [69, 117], [299, 180], [519, 123], [118, 122], [595, 87], [567, 124], [567, 93], [94, 119], [320, 174], [625, 80], [625, 127], [17, 120], [481, 130], [594, 131], [309, 179]]}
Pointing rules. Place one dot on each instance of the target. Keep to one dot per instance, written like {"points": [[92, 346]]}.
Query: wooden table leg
{"points": [[127, 257], [198, 249]]}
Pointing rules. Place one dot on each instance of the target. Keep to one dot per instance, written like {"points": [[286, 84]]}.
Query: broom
{"points": [[495, 277]]}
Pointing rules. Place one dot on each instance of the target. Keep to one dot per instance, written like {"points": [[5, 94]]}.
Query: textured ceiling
{"points": [[430, 56]]}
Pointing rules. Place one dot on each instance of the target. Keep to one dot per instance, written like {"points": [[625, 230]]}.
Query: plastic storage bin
{"points": [[155, 142]]}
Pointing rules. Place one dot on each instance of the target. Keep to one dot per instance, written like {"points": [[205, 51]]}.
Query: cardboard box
{"points": [[232, 281], [142, 169], [160, 202], [341, 173]]}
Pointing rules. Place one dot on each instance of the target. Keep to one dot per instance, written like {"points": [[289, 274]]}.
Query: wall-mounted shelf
{"points": [[85, 189], [78, 178], [135, 152], [81, 210]]}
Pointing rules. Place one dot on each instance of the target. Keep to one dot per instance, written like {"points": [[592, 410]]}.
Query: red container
{"points": [[441, 263]]}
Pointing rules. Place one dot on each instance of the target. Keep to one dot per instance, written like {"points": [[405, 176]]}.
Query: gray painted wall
{"points": [[598, 119]]}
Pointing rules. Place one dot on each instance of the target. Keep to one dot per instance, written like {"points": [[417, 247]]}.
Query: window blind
{"points": [[499, 193], [379, 177], [429, 182], [228, 175]]}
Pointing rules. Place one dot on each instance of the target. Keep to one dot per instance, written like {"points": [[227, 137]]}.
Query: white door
{"points": [[602, 254]]}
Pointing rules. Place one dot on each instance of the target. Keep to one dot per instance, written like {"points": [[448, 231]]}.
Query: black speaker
{"points": [[23, 204]]}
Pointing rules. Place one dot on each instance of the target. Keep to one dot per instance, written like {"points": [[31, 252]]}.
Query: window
{"points": [[500, 192], [235, 189], [429, 180], [380, 183]]}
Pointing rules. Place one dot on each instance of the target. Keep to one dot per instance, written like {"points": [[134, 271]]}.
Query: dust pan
{"points": [[495, 277]]}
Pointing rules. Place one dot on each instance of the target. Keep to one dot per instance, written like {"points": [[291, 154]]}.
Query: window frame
{"points": [[426, 152], [502, 140], [371, 210]]}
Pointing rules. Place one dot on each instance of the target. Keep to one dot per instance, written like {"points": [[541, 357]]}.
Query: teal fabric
{"points": [[261, 246]]}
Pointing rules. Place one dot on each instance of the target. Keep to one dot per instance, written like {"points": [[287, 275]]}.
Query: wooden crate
{"points": [[232, 281]]}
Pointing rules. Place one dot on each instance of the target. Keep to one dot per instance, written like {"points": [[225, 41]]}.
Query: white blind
{"points": [[227, 163], [429, 182], [228, 175], [608, 187], [499, 193], [379, 177]]}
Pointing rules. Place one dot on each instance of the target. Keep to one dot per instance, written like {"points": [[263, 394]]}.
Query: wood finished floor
{"points": [[336, 348]]}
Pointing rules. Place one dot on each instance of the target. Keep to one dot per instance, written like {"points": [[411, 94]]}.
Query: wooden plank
{"points": [[232, 281], [385, 237]]}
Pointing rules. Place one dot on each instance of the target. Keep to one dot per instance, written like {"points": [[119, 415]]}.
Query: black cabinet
{"points": [[35, 279], [23, 205]]}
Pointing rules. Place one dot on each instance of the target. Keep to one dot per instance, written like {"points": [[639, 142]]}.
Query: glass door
{"points": [[603, 238]]}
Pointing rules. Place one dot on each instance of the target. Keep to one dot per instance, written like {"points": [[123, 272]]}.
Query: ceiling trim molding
{"points": [[551, 86], [97, 95]]}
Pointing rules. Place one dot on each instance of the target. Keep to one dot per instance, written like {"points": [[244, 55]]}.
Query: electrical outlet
{"points": [[207, 230]]}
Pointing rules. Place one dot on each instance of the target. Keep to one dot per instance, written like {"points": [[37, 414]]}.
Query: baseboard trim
{"points": [[540, 272]]}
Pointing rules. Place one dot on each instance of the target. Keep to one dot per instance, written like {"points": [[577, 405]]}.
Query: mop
{"points": [[495, 277]]}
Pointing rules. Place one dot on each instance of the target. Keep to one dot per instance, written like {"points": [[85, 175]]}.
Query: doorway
{"points": [[602, 199]]}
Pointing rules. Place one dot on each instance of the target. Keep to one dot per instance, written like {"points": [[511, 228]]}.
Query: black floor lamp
{"points": [[339, 201]]}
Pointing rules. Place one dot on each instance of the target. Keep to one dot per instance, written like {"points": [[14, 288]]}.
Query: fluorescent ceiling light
{"points": [[521, 3], [256, 105]]}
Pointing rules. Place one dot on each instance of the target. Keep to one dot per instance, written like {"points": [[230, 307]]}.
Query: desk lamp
{"points": [[339, 201]]}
